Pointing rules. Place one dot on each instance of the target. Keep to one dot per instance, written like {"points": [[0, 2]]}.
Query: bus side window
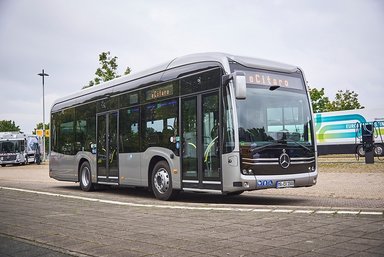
{"points": [[159, 124], [129, 130]]}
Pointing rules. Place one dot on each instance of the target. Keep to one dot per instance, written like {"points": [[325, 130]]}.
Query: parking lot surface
{"points": [[43, 217]]}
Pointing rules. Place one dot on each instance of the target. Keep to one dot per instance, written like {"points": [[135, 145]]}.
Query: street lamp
{"points": [[43, 74]]}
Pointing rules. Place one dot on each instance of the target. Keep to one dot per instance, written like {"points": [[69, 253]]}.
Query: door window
{"points": [[189, 141]]}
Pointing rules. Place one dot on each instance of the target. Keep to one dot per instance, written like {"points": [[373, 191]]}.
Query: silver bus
{"points": [[209, 122]]}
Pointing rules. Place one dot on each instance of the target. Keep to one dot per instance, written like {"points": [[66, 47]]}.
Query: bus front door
{"points": [[200, 154], [107, 148]]}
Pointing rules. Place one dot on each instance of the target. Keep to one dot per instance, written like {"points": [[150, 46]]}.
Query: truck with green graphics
{"points": [[341, 132]]}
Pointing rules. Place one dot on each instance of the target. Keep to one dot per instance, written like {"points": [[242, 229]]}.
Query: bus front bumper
{"points": [[256, 182]]}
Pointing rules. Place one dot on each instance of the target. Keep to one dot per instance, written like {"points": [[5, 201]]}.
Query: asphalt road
{"points": [[341, 216], [334, 190]]}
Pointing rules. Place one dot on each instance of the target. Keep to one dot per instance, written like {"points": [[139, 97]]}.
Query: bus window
{"points": [[129, 130], [65, 127], [229, 132], [160, 124], [210, 135], [85, 127]]}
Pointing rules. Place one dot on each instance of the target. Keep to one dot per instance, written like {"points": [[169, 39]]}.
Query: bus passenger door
{"points": [[200, 154], [107, 148]]}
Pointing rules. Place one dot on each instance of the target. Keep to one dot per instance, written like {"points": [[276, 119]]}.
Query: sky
{"points": [[338, 43]]}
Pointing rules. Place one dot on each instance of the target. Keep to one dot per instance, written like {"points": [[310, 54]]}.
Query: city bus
{"points": [[209, 122]]}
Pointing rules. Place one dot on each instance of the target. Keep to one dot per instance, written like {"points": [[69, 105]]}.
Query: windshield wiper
{"points": [[266, 145], [299, 144], [280, 143]]}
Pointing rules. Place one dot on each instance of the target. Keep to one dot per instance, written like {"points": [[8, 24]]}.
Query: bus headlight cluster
{"points": [[247, 172], [311, 168]]}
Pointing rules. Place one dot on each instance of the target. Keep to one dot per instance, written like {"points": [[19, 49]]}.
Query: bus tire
{"points": [[161, 181], [86, 177]]}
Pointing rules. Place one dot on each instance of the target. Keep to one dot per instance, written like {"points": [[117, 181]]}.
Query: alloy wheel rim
{"points": [[85, 177], [161, 180]]}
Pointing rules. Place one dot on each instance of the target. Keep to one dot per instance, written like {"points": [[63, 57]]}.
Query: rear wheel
{"points": [[162, 182], [85, 177]]}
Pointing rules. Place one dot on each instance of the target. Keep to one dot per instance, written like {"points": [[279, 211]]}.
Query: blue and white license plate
{"points": [[285, 184]]}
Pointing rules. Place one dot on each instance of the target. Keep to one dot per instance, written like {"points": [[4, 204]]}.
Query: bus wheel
{"points": [[85, 177], [162, 182]]}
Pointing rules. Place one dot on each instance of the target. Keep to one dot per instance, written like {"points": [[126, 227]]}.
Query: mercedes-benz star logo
{"points": [[284, 160]]}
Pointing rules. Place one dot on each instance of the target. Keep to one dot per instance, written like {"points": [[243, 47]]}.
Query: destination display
{"points": [[160, 92], [272, 79]]}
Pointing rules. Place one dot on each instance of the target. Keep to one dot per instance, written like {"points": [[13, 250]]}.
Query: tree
{"points": [[345, 101], [320, 103], [107, 70], [8, 125], [40, 126]]}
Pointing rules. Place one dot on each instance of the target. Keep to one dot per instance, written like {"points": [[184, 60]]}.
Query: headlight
{"points": [[247, 172]]}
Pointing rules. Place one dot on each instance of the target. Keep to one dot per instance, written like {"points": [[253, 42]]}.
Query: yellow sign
{"points": [[39, 132]]}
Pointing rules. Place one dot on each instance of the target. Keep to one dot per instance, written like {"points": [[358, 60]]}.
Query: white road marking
{"points": [[282, 211], [371, 213], [207, 208], [348, 212], [304, 211], [325, 212]]}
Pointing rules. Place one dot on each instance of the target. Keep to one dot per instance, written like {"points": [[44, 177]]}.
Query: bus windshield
{"points": [[271, 117]]}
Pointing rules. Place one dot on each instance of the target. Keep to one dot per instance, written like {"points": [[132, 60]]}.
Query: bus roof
{"points": [[156, 72]]}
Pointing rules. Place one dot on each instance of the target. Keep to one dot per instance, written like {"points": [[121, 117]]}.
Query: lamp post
{"points": [[43, 74]]}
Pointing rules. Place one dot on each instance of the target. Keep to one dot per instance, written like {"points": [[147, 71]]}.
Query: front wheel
{"points": [[85, 177], [162, 182]]}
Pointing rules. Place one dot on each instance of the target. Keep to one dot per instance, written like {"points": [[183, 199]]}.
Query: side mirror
{"points": [[239, 82], [240, 85]]}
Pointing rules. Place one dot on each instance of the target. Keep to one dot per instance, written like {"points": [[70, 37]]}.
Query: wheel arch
{"points": [[81, 161], [155, 159]]}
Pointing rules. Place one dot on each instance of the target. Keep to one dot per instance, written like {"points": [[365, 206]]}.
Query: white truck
{"points": [[341, 132], [18, 148]]}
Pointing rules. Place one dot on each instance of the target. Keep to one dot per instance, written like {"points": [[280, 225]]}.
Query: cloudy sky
{"points": [[338, 43]]}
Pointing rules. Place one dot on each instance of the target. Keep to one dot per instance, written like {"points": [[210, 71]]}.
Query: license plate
{"points": [[285, 184]]}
